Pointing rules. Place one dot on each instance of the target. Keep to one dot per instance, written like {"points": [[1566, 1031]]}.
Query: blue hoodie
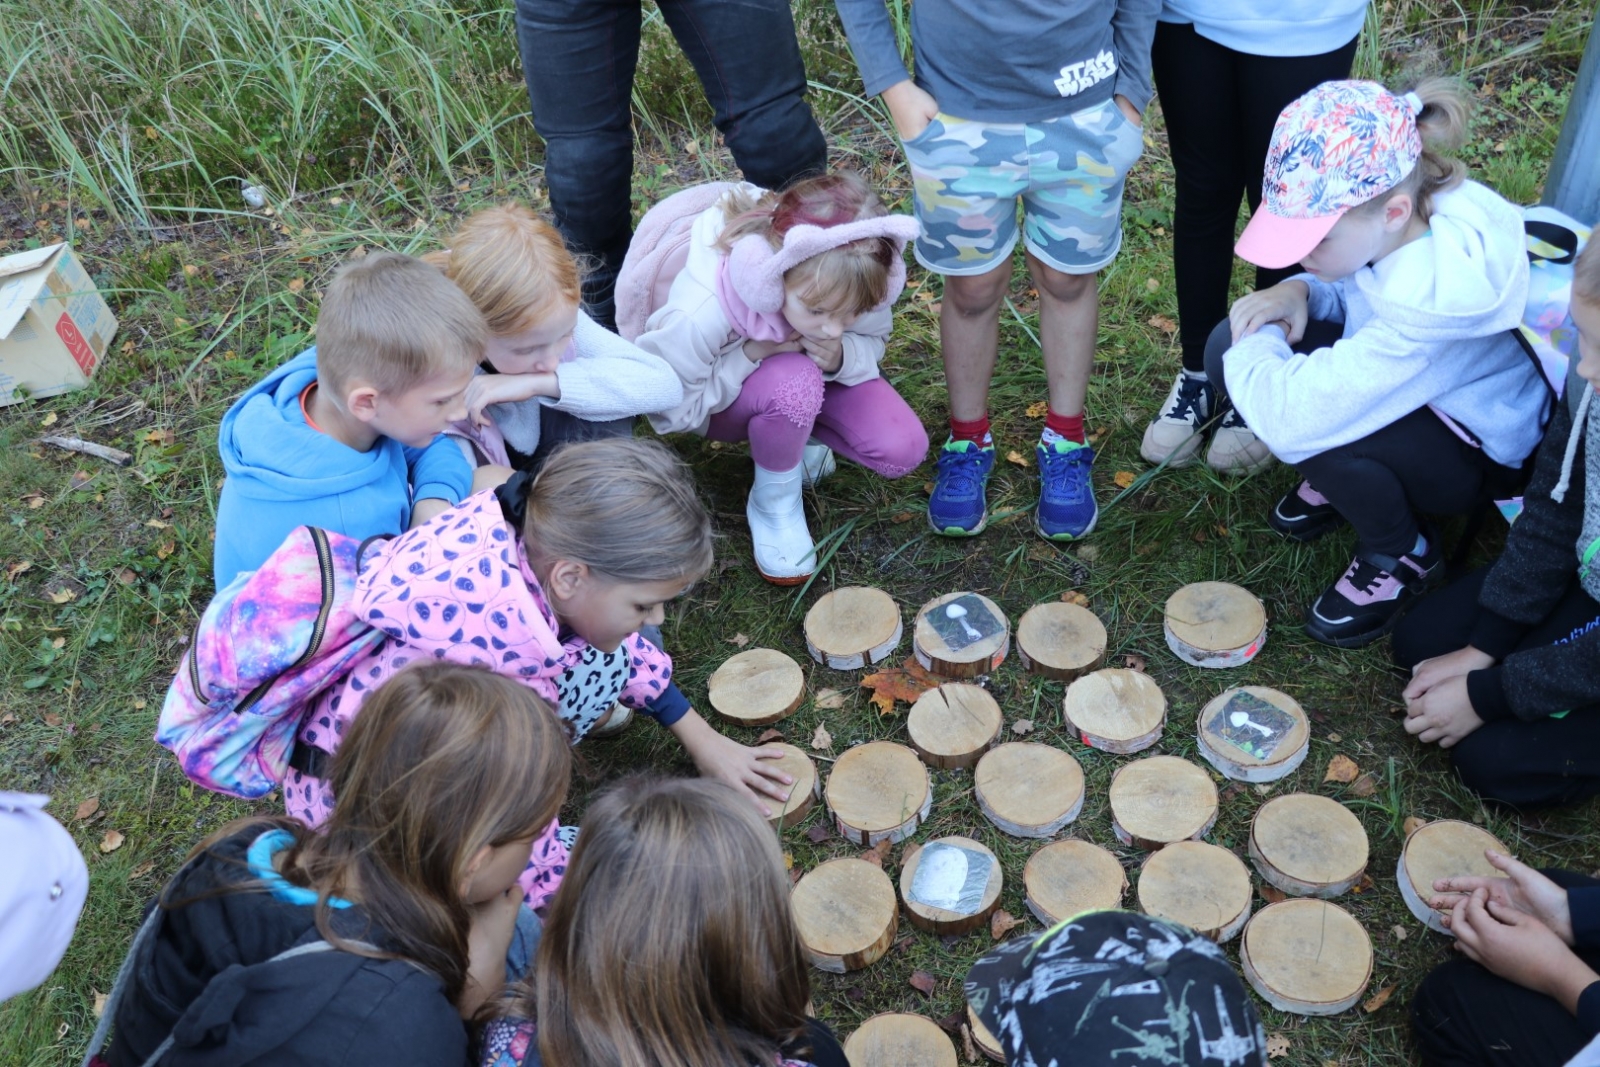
{"points": [[283, 474]]}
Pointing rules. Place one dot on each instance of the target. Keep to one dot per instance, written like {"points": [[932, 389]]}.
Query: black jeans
{"points": [[579, 56], [557, 428], [1220, 106]]}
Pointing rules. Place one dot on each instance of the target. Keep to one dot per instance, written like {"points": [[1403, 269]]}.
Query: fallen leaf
{"points": [[1022, 727], [81, 478], [138, 704], [20, 567], [968, 1049], [1222, 531], [7, 719], [923, 982], [190, 270], [87, 808], [1151, 284], [768, 736], [788, 861], [1038, 410], [1124, 479], [877, 854], [1163, 323], [1088, 553], [1366, 885], [112, 841], [1380, 998], [898, 683], [952, 1023], [296, 284], [142, 869], [126, 576], [1018, 458], [99, 1003], [818, 834], [127, 346], [51, 718], [1400, 932], [1001, 923], [1272, 894], [165, 549], [1413, 824], [822, 739], [901, 516], [828, 699], [1135, 662], [1072, 596], [34, 500], [162, 437], [49, 420], [738, 640], [1335, 738], [157, 524], [58, 642], [1341, 769], [1277, 1046], [1364, 786]]}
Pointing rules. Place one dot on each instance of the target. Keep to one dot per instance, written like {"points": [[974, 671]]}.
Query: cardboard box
{"points": [[54, 325]]}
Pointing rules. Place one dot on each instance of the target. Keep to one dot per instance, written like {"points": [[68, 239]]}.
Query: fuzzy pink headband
{"points": [[757, 271]]}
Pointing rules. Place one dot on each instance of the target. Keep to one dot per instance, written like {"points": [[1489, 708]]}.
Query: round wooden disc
{"points": [[879, 790], [757, 687], [1253, 764], [1060, 640], [1448, 848], [851, 627], [896, 1039], [1116, 710], [1215, 624], [978, 658], [846, 913], [1070, 877], [1161, 799], [953, 725], [1027, 789], [947, 883], [1201, 886], [985, 1042], [1308, 957], [1308, 845], [805, 791]]}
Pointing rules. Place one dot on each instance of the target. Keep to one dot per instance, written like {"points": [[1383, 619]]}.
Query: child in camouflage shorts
{"points": [[1037, 100]]}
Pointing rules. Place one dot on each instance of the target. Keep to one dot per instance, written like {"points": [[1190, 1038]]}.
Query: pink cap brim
{"points": [[1274, 242]]}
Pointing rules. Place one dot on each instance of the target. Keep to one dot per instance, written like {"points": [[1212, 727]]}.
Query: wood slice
{"points": [[1308, 957], [1201, 886], [953, 725], [1116, 710], [877, 791], [950, 885], [986, 1043], [896, 1039], [1161, 799], [847, 914], [852, 627], [1215, 624], [943, 645], [757, 687], [1254, 734], [1071, 877], [1448, 848], [1308, 845], [1027, 789], [1060, 641], [805, 791]]}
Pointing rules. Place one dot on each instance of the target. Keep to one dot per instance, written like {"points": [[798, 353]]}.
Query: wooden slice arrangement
{"points": [[1448, 848], [1308, 845], [1215, 624], [805, 791], [1201, 886], [896, 1039], [953, 725], [986, 1043], [1028, 790], [1161, 799], [1060, 641], [1254, 734], [852, 627], [1068, 877], [1116, 710], [1308, 957], [950, 885], [757, 687], [847, 914], [961, 635], [877, 791]]}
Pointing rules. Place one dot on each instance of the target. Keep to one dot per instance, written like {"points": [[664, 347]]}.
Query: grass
{"points": [[129, 128]]}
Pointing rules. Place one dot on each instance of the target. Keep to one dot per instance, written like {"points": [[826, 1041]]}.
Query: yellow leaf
{"points": [[1380, 998], [296, 284], [58, 642], [49, 420], [1038, 410], [1341, 769], [157, 524], [1018, 458], [1072, 596], [63, 595], [150, 132], [1124, 479], [190, 270], [112, 841], [828, 699], [1151, 284], [20, 567], [99, 1003], [139, 704], [166, 549]]}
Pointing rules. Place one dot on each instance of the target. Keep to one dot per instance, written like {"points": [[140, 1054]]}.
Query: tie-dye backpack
{"points": [[266, 645]]}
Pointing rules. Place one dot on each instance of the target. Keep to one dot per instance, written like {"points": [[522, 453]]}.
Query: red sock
{"points": [[1068, 426], [975, 430]]}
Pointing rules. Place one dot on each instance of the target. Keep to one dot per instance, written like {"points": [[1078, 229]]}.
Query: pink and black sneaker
{"points": [[1367, 600], [1303, 514]]}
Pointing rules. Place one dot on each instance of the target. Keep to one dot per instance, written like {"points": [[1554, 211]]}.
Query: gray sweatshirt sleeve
{"points": [[1133, 32], [872, 42]]}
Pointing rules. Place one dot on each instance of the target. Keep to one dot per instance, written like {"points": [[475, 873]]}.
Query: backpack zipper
{"points": [[319, 540]]}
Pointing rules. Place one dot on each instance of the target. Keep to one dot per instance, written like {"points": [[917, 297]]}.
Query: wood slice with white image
{"points": [[1308, 845], [847, 914], [953, 725], [1070, 877], [1448, 848], [1305, 956], [1116, 710], [961, 635], [898, 1039], [852, 627], [757, 687], [878, 791], [1028, 789], [1060, 641], [950, 885], [986, 1043], [1215, 624], [805, 791], [1161, 799], [1254, 734], [1204, 887]]}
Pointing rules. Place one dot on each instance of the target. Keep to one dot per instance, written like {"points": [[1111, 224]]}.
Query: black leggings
{"points": [[1220, 106]]}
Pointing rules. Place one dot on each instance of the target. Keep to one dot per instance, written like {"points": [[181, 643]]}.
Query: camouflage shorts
{"points": [[1069, 173]]}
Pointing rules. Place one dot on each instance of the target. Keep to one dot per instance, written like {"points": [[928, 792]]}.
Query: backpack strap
{"points": [[1556, 236]]}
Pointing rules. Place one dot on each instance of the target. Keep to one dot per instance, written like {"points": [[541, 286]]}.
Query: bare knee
{"points": [[976, 295], [1058, 284]]}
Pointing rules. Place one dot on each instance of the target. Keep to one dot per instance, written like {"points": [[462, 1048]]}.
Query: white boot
{"points": [[785, 554], [817, 462]]}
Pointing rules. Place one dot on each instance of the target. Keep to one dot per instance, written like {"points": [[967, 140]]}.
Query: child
{"points": [[345, 435], [776, 323], [1039, 101], [401, 908], [550, 373], [1503, 661], [1427, 403], [671, 942]]}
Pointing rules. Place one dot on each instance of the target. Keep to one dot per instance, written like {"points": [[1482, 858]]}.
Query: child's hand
{"points": [[1432, 672], [488, 389], [911, 108], [1518, 948], [1526, 890], [827, 355], [1129, 112], [1284, 304], [493, 923], [749, 770], [756, 351], [1443, 714]]}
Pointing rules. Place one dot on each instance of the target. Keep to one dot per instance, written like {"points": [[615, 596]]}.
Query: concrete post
{"points": [[1574, 182]]}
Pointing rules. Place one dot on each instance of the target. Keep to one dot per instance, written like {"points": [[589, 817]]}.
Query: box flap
{"points": [[22, 262]]}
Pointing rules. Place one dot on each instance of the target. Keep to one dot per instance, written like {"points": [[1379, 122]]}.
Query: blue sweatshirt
{"points": [[1272, 27], [281, 474]]}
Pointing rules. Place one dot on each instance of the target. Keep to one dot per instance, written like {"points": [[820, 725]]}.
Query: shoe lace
{"points": [[1059, 471], [960, 471], [1187, 401], [1364, 574], [1232, 420]]}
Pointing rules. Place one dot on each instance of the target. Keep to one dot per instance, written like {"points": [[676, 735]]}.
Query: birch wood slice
{"points": [[1308, 845], [1215, 624], [1201, 886], [1071, 877], [1448, 848], [1308, 957], [852, 627], [756, 687], [805, 791], [1028, 789], [1254, 734], [986, 1043], [1116, 710], [964, 656], [847, 914], [896, 1039], [1161, 799], [1060, 641], [953, 725], [877, 791], [955, 890]]}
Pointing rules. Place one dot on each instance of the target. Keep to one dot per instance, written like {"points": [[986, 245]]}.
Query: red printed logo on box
{"points": [[82, 354]]}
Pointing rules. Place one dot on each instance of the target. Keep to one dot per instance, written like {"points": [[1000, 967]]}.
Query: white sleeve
{"points": [[710, 366], [613, 379], [864, 345]]}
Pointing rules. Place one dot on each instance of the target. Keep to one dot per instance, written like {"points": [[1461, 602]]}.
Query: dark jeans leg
{"points": [[1440, 623], [557, 428]]}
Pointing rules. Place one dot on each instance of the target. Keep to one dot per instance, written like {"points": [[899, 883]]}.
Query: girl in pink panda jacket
{"points": [[546, 580]]}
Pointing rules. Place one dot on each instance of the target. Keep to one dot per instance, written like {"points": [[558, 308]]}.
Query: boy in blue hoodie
{"points": [[346, 435]]}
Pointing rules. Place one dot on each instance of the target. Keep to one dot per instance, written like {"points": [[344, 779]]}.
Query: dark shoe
{"points": [[1367, 600], [1304, 514]]}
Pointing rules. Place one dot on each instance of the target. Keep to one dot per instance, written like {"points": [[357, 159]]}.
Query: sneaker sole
{"points": [[960, 531], [1306, 533], [1064, 536], [796, 580], [1359, 640]]}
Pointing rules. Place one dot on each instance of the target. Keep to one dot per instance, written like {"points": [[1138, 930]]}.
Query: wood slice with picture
{"points": [[950, 885], [757, 687], [1028, 789], [1204, 887], [1060, 641], [1116, 710], [879, 791], [961, 635], [805, 791], [898, 1039], [953, 725], [1161, 799], [1254, 734], [1068, 877], [847, 914], [1448, 848], [1308, 845], [986, 1043], [1215, 624], [1306, 956], [852, 627]]}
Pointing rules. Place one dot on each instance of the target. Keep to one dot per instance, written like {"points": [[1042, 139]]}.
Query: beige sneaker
{"points": [[1235, 449], [1173, 436]]}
